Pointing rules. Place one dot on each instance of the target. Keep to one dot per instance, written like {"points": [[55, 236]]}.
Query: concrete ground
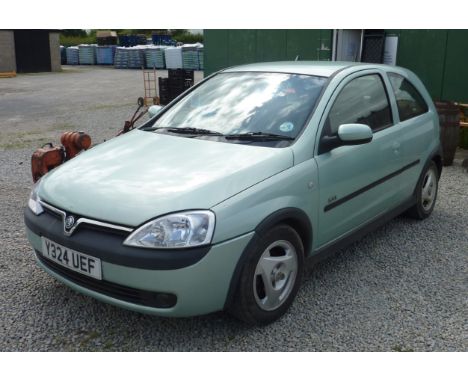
{"points": [[36, 108], [402, 288], [460, 155]]}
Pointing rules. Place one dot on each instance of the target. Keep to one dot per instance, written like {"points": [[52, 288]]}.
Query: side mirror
{"points": [[154, 110], [348, 135], [354, 134]]}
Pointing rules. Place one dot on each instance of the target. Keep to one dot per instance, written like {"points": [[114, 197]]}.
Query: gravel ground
{"points": [[402, 288]]}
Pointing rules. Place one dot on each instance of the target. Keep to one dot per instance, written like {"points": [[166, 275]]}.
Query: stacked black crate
{"points": [[164, 97], [109, 40], [179, 80], [181, 73]]}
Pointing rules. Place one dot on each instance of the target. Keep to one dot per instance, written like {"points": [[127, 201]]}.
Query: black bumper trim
{"points": [[108, 246], [120, 292]]}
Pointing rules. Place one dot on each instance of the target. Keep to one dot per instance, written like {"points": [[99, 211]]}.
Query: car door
{"points": [[356, 182], [416, 127]]}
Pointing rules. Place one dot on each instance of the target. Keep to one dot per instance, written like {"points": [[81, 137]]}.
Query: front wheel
{"points": [[426, 193], [270, 277]]}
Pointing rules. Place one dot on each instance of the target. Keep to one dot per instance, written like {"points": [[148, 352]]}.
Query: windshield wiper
{"points": [[192, 131], [185, 130], [259, 135], [252, 136]]}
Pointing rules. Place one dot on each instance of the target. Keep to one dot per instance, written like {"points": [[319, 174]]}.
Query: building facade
{"points": [[26, 51], [438, 57]]}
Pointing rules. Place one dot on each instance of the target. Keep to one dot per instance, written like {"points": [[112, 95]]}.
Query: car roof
{"points": [[313, 68]]}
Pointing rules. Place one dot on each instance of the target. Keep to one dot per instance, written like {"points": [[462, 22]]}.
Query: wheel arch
{"points": [[437, 158], [293, 217]]}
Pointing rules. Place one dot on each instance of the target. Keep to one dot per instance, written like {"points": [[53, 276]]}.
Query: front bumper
{"points": [[106, 244], [200, 288]]}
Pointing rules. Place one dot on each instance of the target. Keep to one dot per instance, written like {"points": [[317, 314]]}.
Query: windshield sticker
{"points": [[286, 127]]}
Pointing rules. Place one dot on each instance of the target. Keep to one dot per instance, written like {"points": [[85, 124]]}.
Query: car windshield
{"points": [[247, 103]]}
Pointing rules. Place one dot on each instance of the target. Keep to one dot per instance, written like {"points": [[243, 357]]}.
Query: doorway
{"points": [[32, 50], [359, 45], [348, 44]]}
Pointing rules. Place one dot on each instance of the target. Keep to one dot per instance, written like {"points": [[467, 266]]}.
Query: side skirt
{"points": [[332, 248]]}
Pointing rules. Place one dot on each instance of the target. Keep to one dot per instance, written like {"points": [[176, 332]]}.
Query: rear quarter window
{"points": [[410, 102]]}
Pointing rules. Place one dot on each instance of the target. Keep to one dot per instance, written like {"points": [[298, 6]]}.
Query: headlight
{"points": [[33, 202], [183, 229]]}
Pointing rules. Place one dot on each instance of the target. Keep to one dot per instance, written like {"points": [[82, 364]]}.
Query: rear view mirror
{"points": [[154, 110], [354, 134]]}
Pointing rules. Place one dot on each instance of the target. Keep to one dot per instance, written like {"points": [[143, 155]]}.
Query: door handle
{"points": [[396, 147]]}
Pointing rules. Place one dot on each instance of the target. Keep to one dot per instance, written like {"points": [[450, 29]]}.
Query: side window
{"points": [[363, 100], [409, 101]]}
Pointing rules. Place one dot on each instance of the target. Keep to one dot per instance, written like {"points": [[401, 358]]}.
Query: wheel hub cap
{"points": [[428, 189], [275, 275]]}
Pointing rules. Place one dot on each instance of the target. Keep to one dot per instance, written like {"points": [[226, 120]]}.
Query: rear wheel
{"points": [[426, 193], [270, 277]]}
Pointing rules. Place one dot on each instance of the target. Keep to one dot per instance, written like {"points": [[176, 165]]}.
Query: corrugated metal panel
{"points": [[242, 45], [326, 44], [455, 80], [303, 43], [224, 48], [216, 49], [438, 57], [271, 45], [423, 51]]}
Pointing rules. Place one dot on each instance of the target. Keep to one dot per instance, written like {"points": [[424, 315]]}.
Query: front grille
{"points": [[120, 292], [52, 213], [94, 227]]}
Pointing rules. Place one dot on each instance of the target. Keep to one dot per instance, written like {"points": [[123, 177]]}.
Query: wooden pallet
{"points": [[7, 74]]}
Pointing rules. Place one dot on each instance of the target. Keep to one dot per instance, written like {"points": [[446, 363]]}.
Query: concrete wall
{"points": [[7, 52], [54, 41]]}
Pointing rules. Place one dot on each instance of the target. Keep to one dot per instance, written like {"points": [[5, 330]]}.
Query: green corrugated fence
{"points": [[438, 57]]}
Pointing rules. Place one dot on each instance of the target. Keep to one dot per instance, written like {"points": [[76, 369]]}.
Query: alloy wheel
{"points": [[275, 275], [428, 189]]}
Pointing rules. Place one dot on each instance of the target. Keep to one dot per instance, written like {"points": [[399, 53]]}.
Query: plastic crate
{"points": [[87, 54], [181, 73], [105, 55], [121, 58], [155, 57], [73, 55]]}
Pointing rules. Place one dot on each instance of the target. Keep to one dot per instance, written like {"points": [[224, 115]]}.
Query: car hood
{"points": [[141, 175]]}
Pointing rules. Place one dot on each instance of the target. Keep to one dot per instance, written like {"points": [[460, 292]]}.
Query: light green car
{"points": [[223, 196]]}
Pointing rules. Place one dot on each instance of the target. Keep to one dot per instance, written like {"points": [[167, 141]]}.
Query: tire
{"points": [[270, 277], [426, 193]]}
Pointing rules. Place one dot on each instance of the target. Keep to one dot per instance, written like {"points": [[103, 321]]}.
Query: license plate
{"points": [[71, 259]]}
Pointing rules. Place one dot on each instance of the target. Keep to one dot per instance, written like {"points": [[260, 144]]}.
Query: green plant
{"points": [[77, 40], [188, 38]]}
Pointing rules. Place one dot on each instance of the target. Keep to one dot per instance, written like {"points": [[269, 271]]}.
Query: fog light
{"points": [[165, 300]]}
